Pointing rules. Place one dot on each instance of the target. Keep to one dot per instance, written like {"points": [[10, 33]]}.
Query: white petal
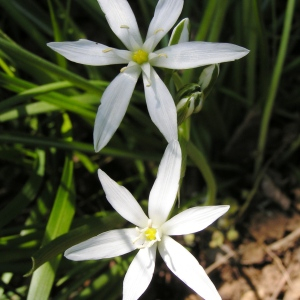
{"points": [[193, 219], [161, 105], [195, 54], [163, 192], [119, 14], [146, 68], [139, 273], [114, 103], [90, 53], [105, 245], [165, 15], [122, 201], [185, 266]]}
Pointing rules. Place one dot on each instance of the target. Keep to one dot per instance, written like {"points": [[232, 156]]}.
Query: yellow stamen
{"points": [[150, 234], [124, 26], [158, 30], [140, 56], [107, 50], [163, 55]]}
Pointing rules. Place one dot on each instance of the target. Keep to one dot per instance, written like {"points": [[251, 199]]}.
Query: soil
{"points": [[265, 264]]}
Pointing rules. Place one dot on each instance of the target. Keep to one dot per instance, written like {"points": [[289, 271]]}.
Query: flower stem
{"points": [[200, 161]]}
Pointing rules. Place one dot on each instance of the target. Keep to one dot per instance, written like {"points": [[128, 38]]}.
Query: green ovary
{"points": [[140, 56], [150, 234]]}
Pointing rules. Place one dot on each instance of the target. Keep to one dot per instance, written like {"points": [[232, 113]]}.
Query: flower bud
{"points": [[190, 99], [180, 33], [208, 77]]}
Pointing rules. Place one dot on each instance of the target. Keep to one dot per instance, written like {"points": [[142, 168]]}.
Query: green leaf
{"points": [[202, 164], [28, 90], [57, 34], [32, 61], [27, 110], [72, 145], [29, 93], [28, 192], [59, 223], [92, 227]]}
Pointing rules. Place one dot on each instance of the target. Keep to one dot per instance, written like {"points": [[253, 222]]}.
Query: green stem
{"points": [[200, 161]]}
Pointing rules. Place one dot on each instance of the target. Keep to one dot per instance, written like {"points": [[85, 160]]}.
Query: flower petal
{"points": [[160, 105], [114, 103], [165, 15], [163, 192], [105, 245], [139, 273], [90, 53], [195, 54], [122, 201], [193, 219], [185, 266], [119, 14]]}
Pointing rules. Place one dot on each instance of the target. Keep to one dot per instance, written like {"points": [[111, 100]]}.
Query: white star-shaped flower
{"points": [[140, 58], [153, 232]]}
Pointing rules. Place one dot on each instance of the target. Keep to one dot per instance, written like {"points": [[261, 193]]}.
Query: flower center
{"points": [[150, 234], [147, 236], [140, 56]]}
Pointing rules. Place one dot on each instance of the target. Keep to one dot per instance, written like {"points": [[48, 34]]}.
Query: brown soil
{"points": [[265, 264]]}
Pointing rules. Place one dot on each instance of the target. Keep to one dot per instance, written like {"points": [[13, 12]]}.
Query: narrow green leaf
{"points": [[64, 102], [276, 75], [59, 223], [202, 164], [57, 34], [28, 192], [35, 62], [90, 165], [27, 110], [12, 9], [93, 226], [66, 145], [30, 92]]}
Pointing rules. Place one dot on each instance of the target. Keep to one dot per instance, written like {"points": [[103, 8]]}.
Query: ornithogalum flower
{"points": [[153, 232], [140, 57]]}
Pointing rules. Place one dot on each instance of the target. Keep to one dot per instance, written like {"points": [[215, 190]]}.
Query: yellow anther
{"points": [[124, 26], [158, 30], [150, 234], [140, 56], [163, 55], [107, 50], [123, 69]]}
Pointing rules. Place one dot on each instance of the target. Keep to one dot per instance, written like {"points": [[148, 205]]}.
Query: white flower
{"points": [[153, 232], [140, 58]]}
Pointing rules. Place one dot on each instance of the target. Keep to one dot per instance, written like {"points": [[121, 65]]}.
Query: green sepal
{"points": [[186, 91], [189, 100], [208, 78], [180, 33]]}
